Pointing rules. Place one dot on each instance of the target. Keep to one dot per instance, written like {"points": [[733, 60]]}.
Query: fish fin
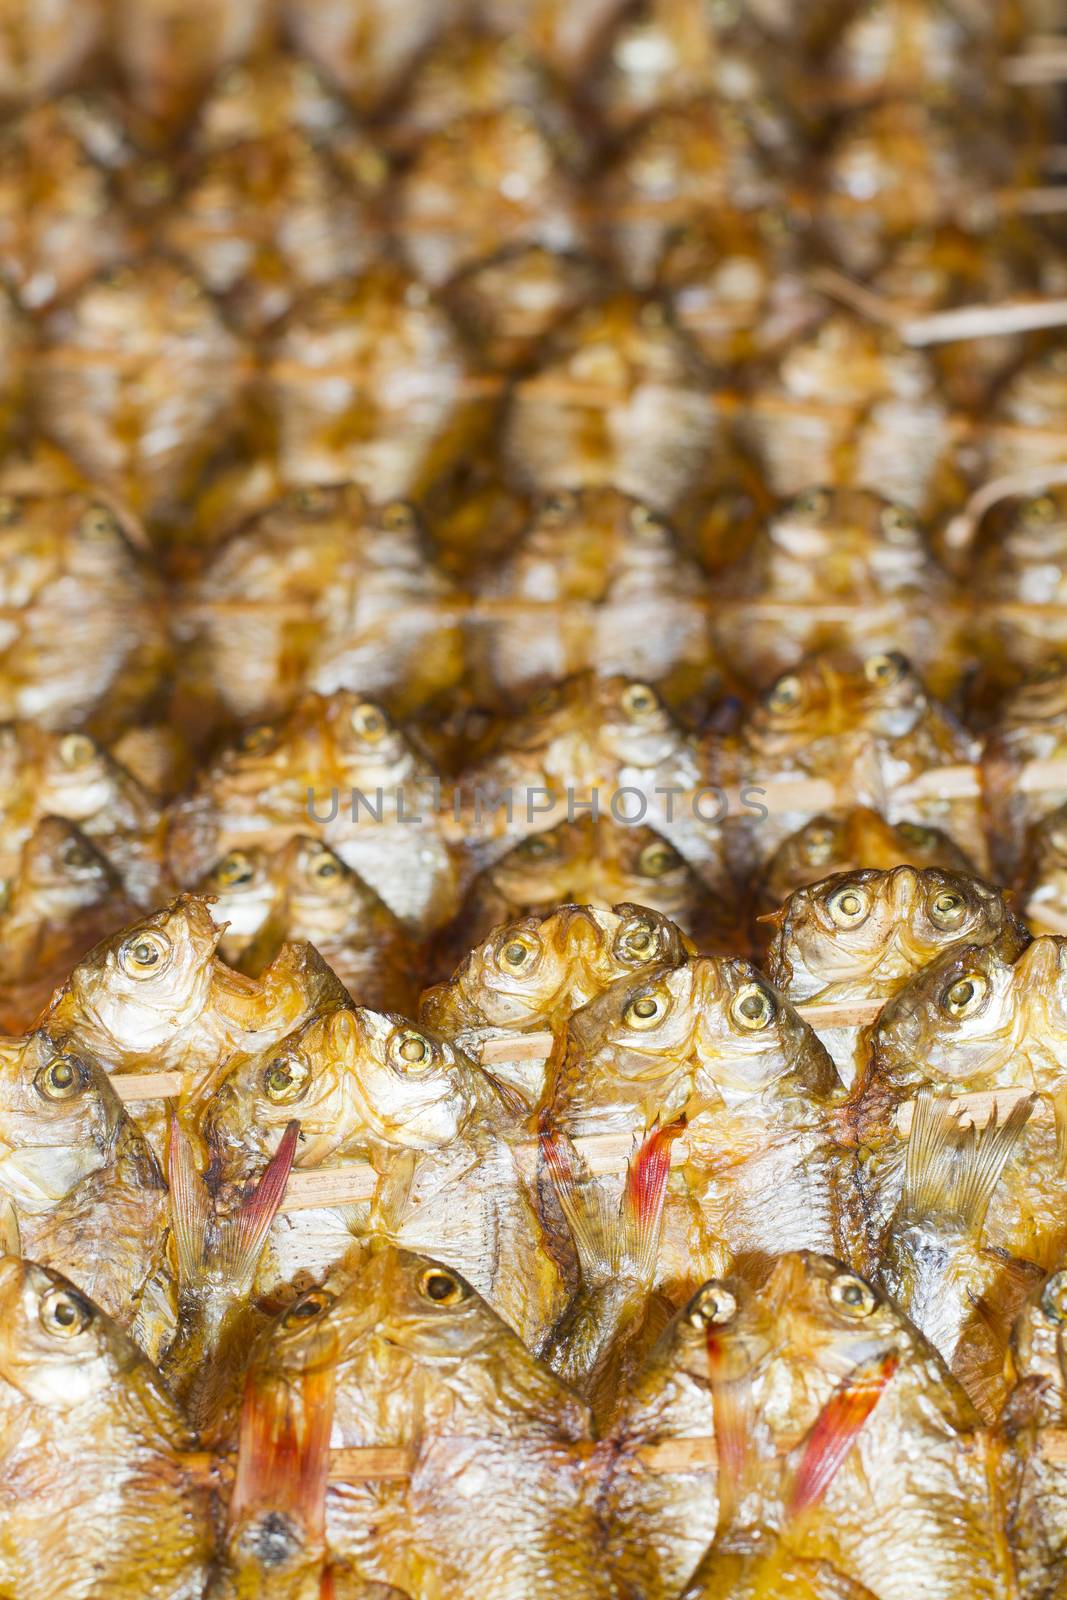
{"points": [[986, 1152], [836, 1429], [643, 1198], [1059, 1114], [283, 1455], [10, 1235], [582, 1202], [930, 1158], [246, 1234], [191, 1212], [732, 1408], [515, 1102]]}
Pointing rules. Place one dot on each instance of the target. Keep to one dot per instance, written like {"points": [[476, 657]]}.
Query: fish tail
{"points": [[836, 1430], [244, 1238], [283, 1458], [986, 1153], [643, 1198]]}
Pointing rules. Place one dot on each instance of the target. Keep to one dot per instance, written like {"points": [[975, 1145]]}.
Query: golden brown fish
{"points": [[1044, 897], [505, 172], [440, 1136], [168, 50], [71, 776], [978, 1021], [1030, 725], [848, 404], [1018, 556], [619, 400], [367, 381], [861, 936], [712, 1043], [139, 380], [590, 742], [100, 1481], [850, 1462], [475, 70], [844, 841], [64, 899], [368, 53], [261, 221], [154, 997], [80, 1190], [45, 47], [854, 553], [324, 591], [269, 94], [867, 725], [603, 864], [532, 973], [1025, 416], [497, 1506], [85, 641], [1032, 1424], [338, 767], [598, 581], [510, 302], [932, 1257]]}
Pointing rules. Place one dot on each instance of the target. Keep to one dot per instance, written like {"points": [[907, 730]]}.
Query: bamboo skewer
{"points": [[956, 322]]}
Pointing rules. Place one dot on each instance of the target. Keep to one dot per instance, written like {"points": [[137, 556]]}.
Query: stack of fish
{"points": [[533, 800]]}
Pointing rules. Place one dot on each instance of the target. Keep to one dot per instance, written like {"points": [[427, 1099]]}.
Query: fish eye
{"points": [[75, 854], [646, 1011], [518, 953], [644, 521], [655, 860], [812, 503], [58, 1079], [947, 909], [311, 502], [849, 905], [852, 1296], [324, 865], [819, 844], [753, 1007], [307, 1309], [711, 1306], [556, 508], [410, 1051], [965, 994], [98, 523], [895, 521], [368, 721], [76, 749], [286, 1078], [639, 938], [144, 955], [256, 740], [64, 1314], [1043, 509], [786, 694], [883, 669], [638, 700], [397, 517], [441, 1287], [232, 870], [914, 833], [1054, 1298], [536, 846]]}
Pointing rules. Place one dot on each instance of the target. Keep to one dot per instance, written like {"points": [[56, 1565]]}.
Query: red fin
{"points": [[642, 1205], [283, 1454], [247, 1233], [731, 1404], [191, 1212], [837, 1428]]}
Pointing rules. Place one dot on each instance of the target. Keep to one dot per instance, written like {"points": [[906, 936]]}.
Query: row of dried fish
{"points": [[737, 1424]]}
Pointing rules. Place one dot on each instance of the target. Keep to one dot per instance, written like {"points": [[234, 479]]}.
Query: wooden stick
{"points": [[941, 327], [1045, 917], [366, 1463], [147, 1085]]}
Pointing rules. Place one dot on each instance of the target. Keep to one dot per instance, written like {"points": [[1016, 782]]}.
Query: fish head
{"points": [[850, 360], [953, 1022], [523, 972], [746, 1036], [323, 893], [365, 746], [244, 887], [60, 1118], [1032, 533], [874, 927], [543, 868], [634, 728], [78, 779], [57, 1349], [847, 533], [62, 869], [153, 977]]}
